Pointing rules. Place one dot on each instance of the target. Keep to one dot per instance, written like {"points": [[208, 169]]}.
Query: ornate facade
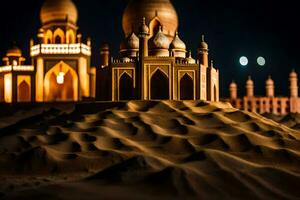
{"points": [[270, 103], [154, 62]]}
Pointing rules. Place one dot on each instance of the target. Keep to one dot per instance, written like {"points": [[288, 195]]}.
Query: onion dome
{"points": [[14, 52], [233, 85], [143, 29], [58, 10], [250, 82], [190, 59], [269, 82], [131, 42], [177, 43], [203, 44], [293, 74], [159, 41], [163, 10]]}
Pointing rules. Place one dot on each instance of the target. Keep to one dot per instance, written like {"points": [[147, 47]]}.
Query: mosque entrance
{"points": [[24, 92], [159, 86], [61, 83], [186, 88], [126, 87]]}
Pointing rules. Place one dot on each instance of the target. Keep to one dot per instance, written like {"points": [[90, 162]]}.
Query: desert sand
{"points": [[147, 150]]}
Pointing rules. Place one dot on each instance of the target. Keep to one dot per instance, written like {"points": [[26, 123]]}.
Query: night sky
{"points": [[233, 28]]}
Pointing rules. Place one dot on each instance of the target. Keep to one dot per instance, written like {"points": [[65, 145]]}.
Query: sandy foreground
{"points": [[147, 150]]}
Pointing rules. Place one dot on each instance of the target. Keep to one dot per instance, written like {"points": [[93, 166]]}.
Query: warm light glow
{"points": [[60, 78], [60, 49], [261, 61], [244, 61], [10, 68], [8, 88]]}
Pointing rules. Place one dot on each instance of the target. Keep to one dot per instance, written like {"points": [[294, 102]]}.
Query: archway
{"points": [[24, 92], [126, 87], [154, 26], [49, 36], [215, 93], [159, 86], [59, 36], [186, 88], [61, 83], [70, 37]]}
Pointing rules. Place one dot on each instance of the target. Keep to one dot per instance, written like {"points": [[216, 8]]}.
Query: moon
{"points": [[244, 61], [261, 61]]}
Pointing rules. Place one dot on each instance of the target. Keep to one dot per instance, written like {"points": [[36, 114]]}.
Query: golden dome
{"points": [[14, 51], [150, 9], [269, 81], [203, 44], [58, 10], [131, 42], [159, 41], [177, 43], [293, 74], [233, 85], [249, 82]]}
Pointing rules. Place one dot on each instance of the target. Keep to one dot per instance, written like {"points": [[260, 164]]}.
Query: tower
{"points": [[249, 88], [104, 55], [62, 61], [233, 90], [270, 87], [293, 84], [203, 52]]}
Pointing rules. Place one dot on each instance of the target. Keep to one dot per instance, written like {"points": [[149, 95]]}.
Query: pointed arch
{"points": [[48, 37], [159, 86], [24, 89], [154, 26], [59, 36], [126, 87], [68, 91], [70, 37], [187, 88]]}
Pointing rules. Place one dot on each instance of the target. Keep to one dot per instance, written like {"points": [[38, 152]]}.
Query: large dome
{"points": [[162, 9], [58, 10]]}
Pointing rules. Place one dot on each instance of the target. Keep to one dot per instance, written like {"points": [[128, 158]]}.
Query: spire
{"points": [[144, 29]]}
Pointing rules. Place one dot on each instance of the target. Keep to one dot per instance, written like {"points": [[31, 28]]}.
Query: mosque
{"points": [[153, 62], [269, 103]]}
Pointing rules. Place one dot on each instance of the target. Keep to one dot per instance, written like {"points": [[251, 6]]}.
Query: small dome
{"points": [[293, 74], [233, 84], [203, 44], [270, 81], [177, 43], [249, 82], [14, 51], [58, 10], [143, 29], [190, 59], [159, 41], [131, 42]]}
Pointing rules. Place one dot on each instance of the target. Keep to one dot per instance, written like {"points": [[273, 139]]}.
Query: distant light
{"points": [[261, 61], [244, 61], [60, 79]]}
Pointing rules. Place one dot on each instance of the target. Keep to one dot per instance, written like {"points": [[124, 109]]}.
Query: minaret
{"points": [[293, 84], [143, 52], [104, 55], [270, 87], [203, 52], [233, 90], [249, 87]]}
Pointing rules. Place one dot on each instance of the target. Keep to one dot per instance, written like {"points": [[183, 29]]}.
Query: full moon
{"points": [[244, 61], [261, 61]]}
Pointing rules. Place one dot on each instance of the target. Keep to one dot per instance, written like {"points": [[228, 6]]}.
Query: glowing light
{"points": [[244, 61], [10, 68], [261, 61], [60, 78], [60, 49]]}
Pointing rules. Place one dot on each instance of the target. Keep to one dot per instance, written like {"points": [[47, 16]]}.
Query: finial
{"points": [[176, 33], [249, 78], [270, 77], [212, 63], [190, 54], [203, 38], [156, 13], [144, 21]]}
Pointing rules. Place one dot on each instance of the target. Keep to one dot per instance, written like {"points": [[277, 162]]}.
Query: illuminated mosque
{"points": [[153, 62], [269, 103]]}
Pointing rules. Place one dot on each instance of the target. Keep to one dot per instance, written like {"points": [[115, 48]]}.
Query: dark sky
{"points": [[233, 28]]}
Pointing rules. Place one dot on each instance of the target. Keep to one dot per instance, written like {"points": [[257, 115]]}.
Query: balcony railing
{"points": [[17, 68], [55, 49]]}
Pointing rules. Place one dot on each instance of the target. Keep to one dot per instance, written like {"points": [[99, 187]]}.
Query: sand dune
{"points": [[146, 150]]}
